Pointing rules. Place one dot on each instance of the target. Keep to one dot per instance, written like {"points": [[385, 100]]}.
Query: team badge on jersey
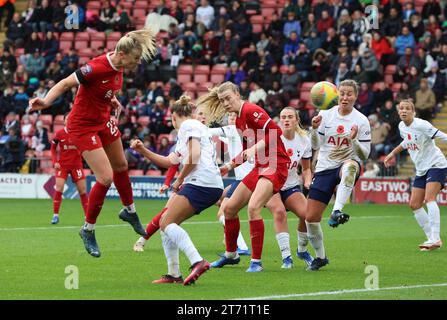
{"points": [[86, 69]]}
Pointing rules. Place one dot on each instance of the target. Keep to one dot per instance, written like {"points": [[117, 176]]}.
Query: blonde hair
{"points": [[409, 101], [183, 106], [350, 83], [211, 103], [298, 128], [143, 39]]}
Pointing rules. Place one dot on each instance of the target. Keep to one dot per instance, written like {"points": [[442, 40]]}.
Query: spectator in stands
{"points": [[204, 16], [441, 59], [16, 32], [137, 106], [289, 6], [313, 41], [9, 6], [292, 25], [31, 45], [344, 23], [175, 90], [39, 141], [234, 74], [276, 26], [106, 16], [325, 22], [393, 24], [388, 113], [342, 56], [290, 48], [371, 66], [6, 76], [16, 150], [276, 99], [122, 20], [35, 64], [331, 42], [11, 122], [9, 57], [382, 94], [41, 20], [405, 63], [381, 48], [425, 101], [21, 100], [53, 71], [416, 26], [41, 92], [342, 73], [404, 40], [413, 78], [164, 147], [426, 60], [257, 94], [250, 60], [359, 75], [437, 83], [244, 90], [242, 30], [20, 76], [431, 7], [263, 43], [161, 8], [432, 24], [379, 134], [320, 64], [153, 92], [176, 11], [404, 93], [227, 48], [302, 10], [50, 47], [59, 16], [27, 129], [303, 62], [365, 99], [6, 102], [236, 10], [156, 116], [290, 80]]}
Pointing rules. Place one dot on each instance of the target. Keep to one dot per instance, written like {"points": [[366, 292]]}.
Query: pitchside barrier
{"points": [[41, 186]]}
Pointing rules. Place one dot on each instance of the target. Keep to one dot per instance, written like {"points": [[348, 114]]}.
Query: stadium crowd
{"points": [[273, 50]]}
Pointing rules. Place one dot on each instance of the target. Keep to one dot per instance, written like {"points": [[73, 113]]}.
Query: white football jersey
{"points": [[418, 139], [230, 136], [336, 145], [206, 173], [298, 148]]}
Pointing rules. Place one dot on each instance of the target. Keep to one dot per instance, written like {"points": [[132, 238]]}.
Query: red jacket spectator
{"points": [[325, 22], [380, 46]]}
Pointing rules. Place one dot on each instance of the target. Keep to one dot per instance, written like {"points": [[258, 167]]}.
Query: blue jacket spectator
{"points": [[291, 25], [290, 48], [234, 74], [404, 40]]}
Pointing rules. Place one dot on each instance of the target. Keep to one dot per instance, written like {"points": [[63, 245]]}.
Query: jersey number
{"points": [[113, 129]]}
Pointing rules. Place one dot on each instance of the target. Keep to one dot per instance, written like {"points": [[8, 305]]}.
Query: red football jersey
{"points": [[69, 156], [255, 124], [99, 81]]}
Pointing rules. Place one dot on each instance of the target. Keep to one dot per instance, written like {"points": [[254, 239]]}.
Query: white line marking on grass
{"points": [[186, 223], [339, 292]]}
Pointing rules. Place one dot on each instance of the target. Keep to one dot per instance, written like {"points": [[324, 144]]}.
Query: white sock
{"points": [[283, 239], [131, 208], [303, 240], [89, 226], [315, 235], [172, 255], [241, 242], [222, 220], [255, 260], [142, 241], [182, 240], [344, 190], [422, 219], [55, 214], [435, 220]]}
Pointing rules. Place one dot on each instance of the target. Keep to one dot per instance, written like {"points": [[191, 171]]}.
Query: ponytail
{"points": [[143, 39]]}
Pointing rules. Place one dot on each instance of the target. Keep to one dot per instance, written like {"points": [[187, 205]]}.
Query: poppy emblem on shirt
{"points": [[290, 152], [340, 129], [409, 136], [117, 79], [86, 69]]}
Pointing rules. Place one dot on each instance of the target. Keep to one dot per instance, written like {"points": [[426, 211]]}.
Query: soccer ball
{"points": [[324, 95]]}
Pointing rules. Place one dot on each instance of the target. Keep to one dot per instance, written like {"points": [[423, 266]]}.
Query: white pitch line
{"points": [[188, 222], [339, 292]]}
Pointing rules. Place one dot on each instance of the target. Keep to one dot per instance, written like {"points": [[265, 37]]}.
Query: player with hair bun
{"points": [[431, 170], [92, 131], [198, 186], [343, 136]]}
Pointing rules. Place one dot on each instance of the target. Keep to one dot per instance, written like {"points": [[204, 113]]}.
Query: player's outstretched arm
{"points": [[441, 135], [61, 87], [158, 160], [393, 153], [315, 137]]}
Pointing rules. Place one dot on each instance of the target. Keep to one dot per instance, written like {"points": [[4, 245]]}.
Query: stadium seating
{"points": [[136, 172], [155, 173]]}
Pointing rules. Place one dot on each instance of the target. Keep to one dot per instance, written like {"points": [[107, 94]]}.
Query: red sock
{"points": [[257, 238], [231, 228], [95, 201], [124, 187], [84, 202], [57, 202], [154, 225]]}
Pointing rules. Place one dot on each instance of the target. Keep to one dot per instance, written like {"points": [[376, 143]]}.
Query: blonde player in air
{"points": [[343, 136], [431, 169], [198, 186]]}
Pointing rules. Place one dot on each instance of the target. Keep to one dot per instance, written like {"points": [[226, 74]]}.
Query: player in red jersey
{"points": [[267, 177], [93, 132], [69, 163]]}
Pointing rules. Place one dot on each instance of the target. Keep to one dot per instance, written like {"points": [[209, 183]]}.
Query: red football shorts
{"points": [[277, 176], [86, 140], [76, 174]]}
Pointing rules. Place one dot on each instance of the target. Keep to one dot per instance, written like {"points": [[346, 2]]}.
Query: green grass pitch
{"points": [[35, 255]]}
